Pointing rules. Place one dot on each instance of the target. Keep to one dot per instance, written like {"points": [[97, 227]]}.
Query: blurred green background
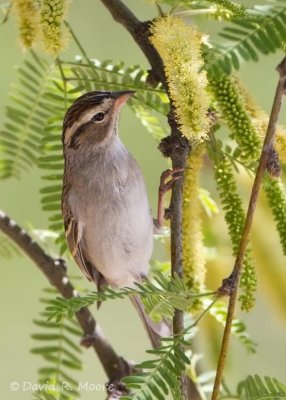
{"points": [[22, 283]]}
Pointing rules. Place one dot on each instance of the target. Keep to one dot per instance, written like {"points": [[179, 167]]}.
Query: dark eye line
{"points": [[74, 143]]}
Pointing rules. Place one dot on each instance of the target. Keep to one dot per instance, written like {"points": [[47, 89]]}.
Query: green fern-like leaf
{"points": [[257, 388], [25, 119], [160, 297], [58, 348], [159, 375], [247, 39], [150, 121], [164, 295]]}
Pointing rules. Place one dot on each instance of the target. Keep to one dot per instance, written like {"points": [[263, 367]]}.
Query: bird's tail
{"points": [[155, 330]]}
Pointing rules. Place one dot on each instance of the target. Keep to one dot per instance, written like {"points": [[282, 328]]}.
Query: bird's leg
{"points": [[164, 187]]}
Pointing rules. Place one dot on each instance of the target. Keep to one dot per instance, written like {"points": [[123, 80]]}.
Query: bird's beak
{"points": [[122, 97]]}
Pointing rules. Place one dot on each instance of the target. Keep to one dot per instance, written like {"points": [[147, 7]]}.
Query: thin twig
{"points": [[230, 285], [55, 270]]}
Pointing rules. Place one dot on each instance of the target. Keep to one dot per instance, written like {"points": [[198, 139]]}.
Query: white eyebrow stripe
{"points": [[86, 117], [83, 120]]}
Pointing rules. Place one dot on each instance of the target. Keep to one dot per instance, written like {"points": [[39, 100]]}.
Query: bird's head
{"points": [[92, 120]]}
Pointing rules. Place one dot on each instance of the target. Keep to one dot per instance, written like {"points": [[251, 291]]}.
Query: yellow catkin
{"points": [[193, 250], [179, 46], [54, 33], [27, 12]]}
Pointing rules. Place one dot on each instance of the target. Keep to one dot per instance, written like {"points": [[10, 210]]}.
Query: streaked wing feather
{"points": [[74, 239], [74, 236]]}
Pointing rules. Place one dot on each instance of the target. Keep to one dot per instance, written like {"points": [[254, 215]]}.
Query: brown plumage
{"points": [[108, 223]]}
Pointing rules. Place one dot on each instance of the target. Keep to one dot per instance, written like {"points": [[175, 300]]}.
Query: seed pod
{"points": [[235, 217], [275, 193], [260, 121], [231, 105]]}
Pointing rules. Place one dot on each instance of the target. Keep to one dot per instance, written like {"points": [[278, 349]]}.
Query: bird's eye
{"points": [[98, 117]]}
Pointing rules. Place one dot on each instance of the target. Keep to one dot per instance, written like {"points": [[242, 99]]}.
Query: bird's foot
{"points": [[165, 185]]}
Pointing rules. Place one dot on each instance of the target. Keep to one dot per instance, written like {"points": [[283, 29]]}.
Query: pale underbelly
{"points": [[119, 247]]}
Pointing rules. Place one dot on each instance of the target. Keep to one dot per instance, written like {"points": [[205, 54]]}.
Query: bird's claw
{"points": [[175, 174], [165, 186]]}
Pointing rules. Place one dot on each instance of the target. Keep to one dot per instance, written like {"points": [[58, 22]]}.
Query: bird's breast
{"points": [[112, 205]]}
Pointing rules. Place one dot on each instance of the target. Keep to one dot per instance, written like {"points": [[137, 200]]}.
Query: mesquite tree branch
{"points": [[231, 283], [55, 270], [179, 158]]}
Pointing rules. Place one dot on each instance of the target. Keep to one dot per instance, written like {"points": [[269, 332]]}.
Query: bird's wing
{"points": [[74, 235], [74, 231]]}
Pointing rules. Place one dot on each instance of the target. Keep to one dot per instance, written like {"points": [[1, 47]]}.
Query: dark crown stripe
{"points": [[83, 103]]}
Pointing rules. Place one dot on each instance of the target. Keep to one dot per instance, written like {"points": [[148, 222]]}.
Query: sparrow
{"points": [[107, 217]]}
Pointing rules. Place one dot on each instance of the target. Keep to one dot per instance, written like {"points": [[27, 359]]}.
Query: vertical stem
{"points": [[176, 259], [233, 281], [179, 160]]}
